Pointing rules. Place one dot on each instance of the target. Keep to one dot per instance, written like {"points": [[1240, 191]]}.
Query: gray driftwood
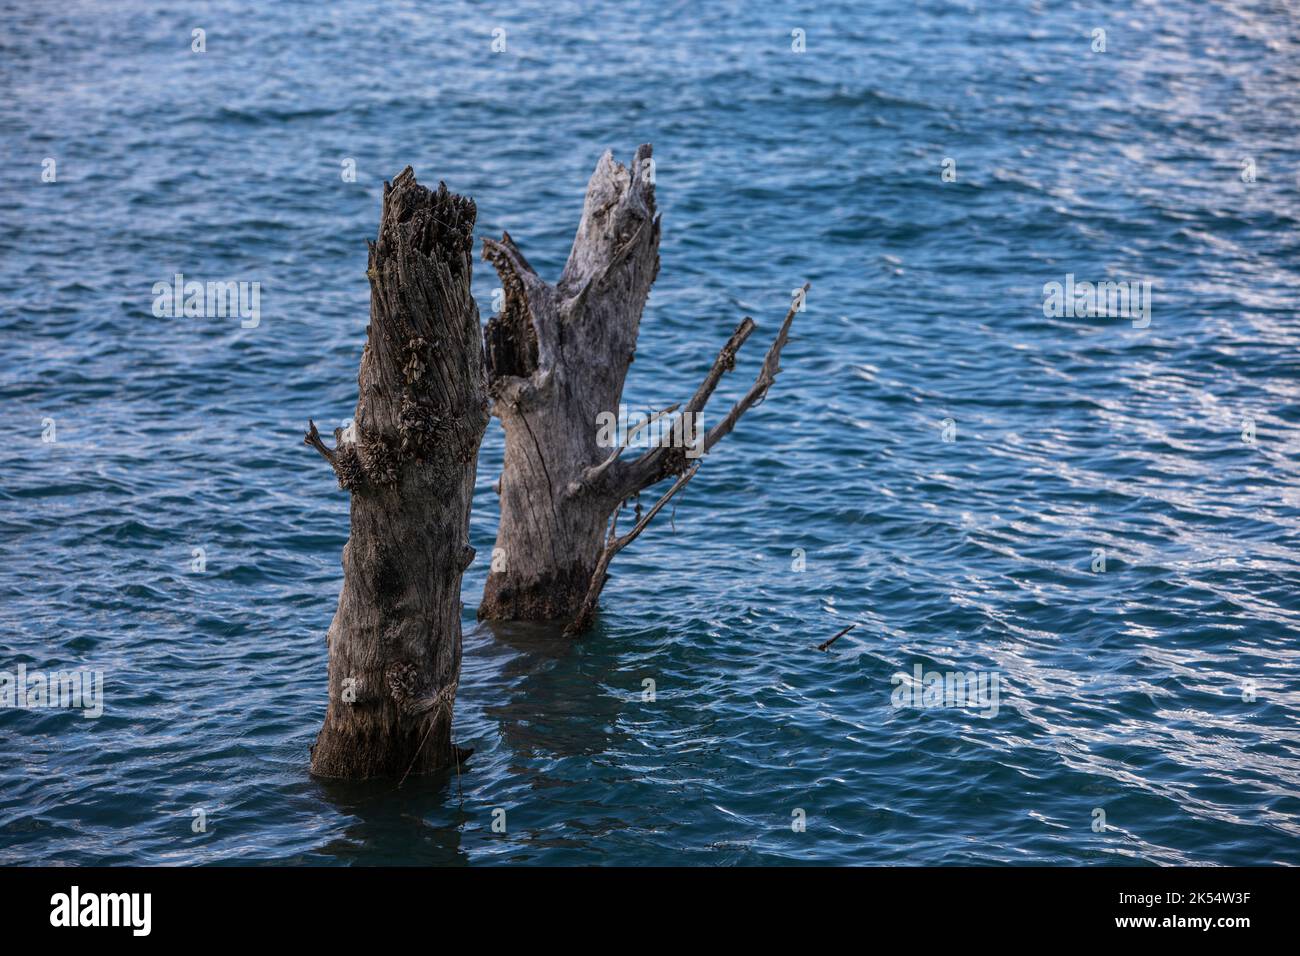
{"points": [[409, 463], [557, 356]]}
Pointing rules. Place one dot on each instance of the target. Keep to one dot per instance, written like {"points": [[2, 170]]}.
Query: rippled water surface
{"points": [[1126, 691]]}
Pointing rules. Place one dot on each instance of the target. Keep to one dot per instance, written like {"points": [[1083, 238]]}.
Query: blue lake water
{"points": [[1162, 691]]}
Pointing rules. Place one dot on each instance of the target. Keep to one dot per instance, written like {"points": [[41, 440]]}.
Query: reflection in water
{"points": [[417, 823], [559, 703]]}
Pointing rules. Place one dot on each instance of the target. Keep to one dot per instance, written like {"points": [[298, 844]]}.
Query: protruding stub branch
{"points": [[313, 438], [342, 458], [613, 545]]}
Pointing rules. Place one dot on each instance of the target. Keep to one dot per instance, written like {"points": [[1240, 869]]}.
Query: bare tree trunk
{"points": [[409, 463], [557, 357]]}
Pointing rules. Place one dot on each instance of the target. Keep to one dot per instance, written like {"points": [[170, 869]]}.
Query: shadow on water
{"points": [[558, 701], [416, 823]]}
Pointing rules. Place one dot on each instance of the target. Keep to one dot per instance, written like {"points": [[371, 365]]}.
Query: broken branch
{"points": [[313, 438], [766, 376], [613, 545], [591, 474], [664, 460]]}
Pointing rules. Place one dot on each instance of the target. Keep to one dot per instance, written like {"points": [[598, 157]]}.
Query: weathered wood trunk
{"points": [[557, 357], [409, 462]]}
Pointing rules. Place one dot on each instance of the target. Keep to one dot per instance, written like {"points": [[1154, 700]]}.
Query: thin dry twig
{"points": [[631, 478], [826, 645], [613, 545], [654, 465], [758, 391]]}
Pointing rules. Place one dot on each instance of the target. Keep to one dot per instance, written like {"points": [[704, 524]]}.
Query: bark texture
{"points": [[409, 462], [557, 356]]}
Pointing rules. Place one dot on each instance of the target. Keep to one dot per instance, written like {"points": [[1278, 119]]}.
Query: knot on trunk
{"points": [[403, 679]]}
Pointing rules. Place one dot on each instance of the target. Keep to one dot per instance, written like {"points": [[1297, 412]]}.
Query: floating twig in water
{"points": [[826, 646]]}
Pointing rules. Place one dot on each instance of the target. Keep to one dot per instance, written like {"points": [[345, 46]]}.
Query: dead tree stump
{"points": [[409, 462], [557, 357]]}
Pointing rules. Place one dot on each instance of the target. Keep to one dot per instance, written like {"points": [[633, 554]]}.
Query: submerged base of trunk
{"points": [[547, 597], [362, 751]]}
